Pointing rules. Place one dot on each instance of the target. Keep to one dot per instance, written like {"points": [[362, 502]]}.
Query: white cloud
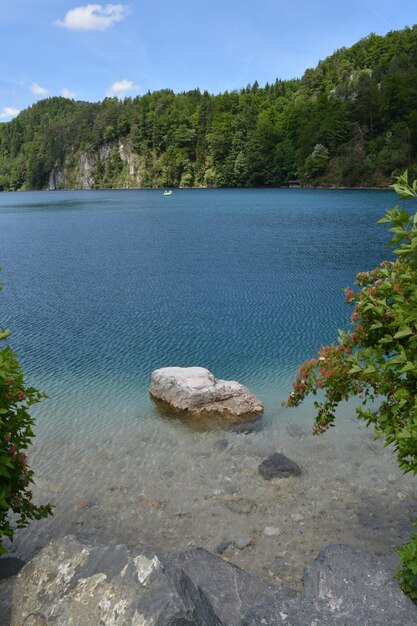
{"points": [[93, 17], [37, 90], [8, 112], [67, 93], [121, 87]]}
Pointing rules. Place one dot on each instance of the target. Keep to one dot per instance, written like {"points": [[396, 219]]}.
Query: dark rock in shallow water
{"points": [[221, 444], [278, 466], [73, 583], [222, 546]]}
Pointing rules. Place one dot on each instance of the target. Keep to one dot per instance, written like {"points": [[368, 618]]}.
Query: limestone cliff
{"points": [[113, 165]]}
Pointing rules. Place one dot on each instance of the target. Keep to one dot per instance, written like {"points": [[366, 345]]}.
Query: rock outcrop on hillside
{"points": [[85, 170]]}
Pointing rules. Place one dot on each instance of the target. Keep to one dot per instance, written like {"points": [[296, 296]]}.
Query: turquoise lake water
{"points": [[103, 287]]}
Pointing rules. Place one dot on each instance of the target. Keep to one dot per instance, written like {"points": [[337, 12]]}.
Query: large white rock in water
{"points": [[195, 390]]}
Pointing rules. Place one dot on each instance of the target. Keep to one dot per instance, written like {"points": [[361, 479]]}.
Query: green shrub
{"points": [[377, 359], [15, 436]]}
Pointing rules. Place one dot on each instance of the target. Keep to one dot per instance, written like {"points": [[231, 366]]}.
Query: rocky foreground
{"points": [[73, 584]]}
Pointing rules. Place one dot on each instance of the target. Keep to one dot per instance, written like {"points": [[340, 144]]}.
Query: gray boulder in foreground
{"points": [[74, 584], [196, 391], [344, 587]]}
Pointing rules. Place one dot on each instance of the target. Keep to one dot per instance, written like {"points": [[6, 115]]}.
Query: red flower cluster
{"points": [[350, 295]]}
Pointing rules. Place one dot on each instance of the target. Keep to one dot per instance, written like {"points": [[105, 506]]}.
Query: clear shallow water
{"points": [[103, 287]]}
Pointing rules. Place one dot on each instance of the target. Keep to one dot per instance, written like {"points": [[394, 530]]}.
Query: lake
{"points": [[103, 287]]}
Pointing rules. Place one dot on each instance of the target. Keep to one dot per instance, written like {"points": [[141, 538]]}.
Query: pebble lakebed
{"points": [[205, 490]]}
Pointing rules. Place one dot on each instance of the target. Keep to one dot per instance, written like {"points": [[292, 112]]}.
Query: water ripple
{"points": [[102, 288]]}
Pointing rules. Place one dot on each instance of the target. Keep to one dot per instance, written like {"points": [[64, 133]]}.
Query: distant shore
{"points": [[303, 187]]}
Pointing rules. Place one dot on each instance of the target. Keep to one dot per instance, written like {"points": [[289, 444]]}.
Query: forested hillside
{"points": [[351, 121]]}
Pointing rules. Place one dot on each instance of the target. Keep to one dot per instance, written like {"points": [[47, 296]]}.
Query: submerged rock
{"points": [[83, 504], [278, 466], [242, 542], [196, 391], [222, 546], [69, 583]]}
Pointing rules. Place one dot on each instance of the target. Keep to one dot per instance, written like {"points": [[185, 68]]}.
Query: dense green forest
{"points": [[351, 121]]}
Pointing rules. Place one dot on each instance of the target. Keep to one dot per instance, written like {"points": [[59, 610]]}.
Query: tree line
{"points": [[351, 121]]}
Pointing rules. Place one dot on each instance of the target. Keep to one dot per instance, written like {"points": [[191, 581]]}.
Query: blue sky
{"points": [[90, 50]]}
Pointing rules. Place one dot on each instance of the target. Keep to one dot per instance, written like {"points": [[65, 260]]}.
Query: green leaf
{"points": [[385, 340], [6, 461], [408, 367], [403, 332], [403, 189]]}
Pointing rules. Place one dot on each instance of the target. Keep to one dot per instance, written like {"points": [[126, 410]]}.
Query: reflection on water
{"points": [[208, 421]]}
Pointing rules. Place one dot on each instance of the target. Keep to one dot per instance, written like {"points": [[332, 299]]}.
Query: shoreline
{"points": [[306, 187]]}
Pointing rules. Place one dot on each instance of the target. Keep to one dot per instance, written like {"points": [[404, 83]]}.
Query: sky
{"points": [[88, 51]]}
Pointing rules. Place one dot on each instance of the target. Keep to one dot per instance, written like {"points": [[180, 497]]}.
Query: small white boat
{"points": [[167, 193]]}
